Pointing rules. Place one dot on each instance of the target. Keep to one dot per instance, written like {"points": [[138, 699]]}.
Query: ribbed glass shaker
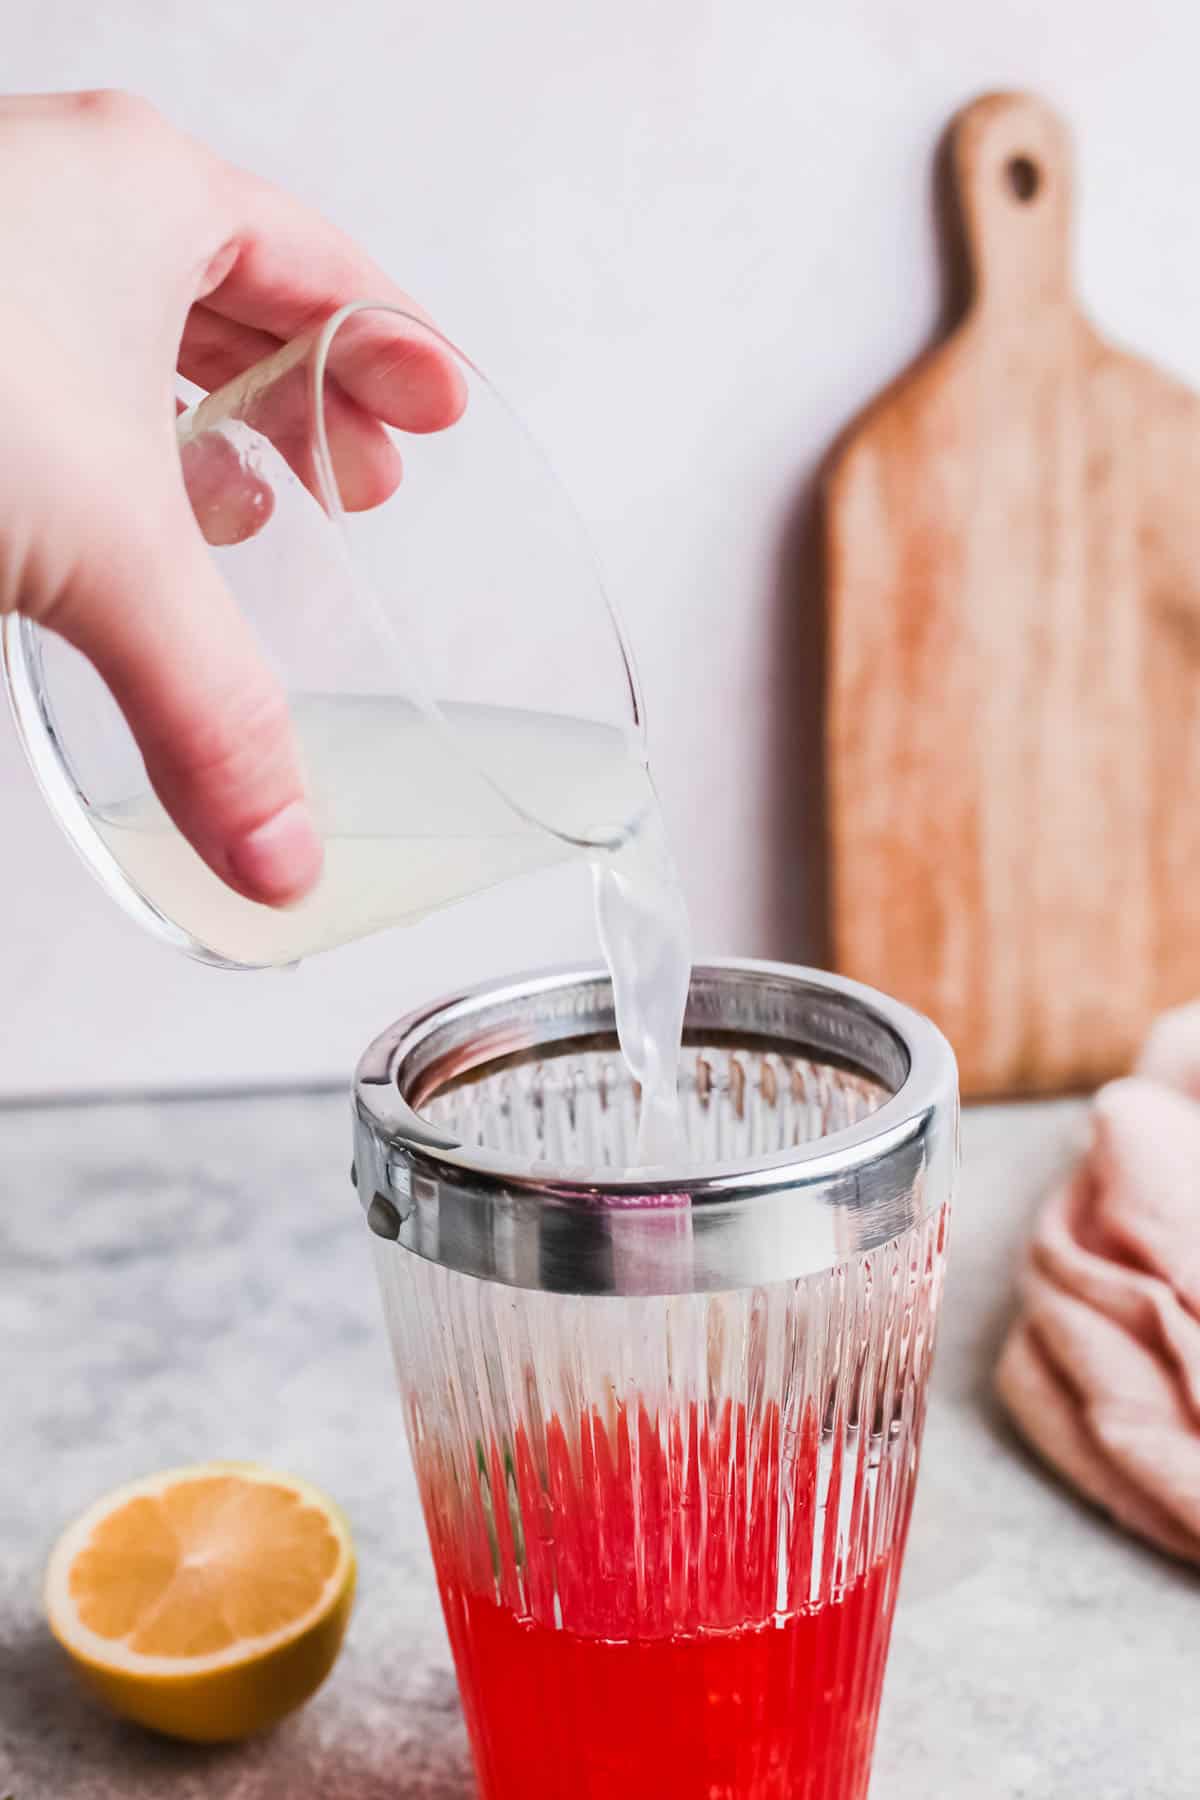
{"points": [[665, 1423]]}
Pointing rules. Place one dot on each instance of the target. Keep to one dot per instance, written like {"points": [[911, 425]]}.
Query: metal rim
{"points": [[930, 1082]]}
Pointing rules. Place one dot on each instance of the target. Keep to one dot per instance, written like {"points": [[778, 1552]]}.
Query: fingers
{"points": [[398, 370], [282, 274], [231, 499], [379, 358], [275, 399], [210, 719], [293, 267], [292, 270], [214, 350]]}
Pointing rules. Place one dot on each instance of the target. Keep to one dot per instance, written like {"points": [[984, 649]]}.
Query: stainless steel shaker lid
{"points": [[445, 1167]]}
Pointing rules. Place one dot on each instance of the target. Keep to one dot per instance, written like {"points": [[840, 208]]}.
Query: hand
{"points": [[131, 251]]}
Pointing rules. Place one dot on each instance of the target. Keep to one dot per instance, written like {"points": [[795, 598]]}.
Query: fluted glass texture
{"points": [[668, 1529]]}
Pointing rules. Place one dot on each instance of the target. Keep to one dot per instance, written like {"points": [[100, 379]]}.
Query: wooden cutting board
{"points": [[1013, 702]]}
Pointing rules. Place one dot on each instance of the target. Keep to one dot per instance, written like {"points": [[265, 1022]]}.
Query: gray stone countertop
{"points": [[190, 1279]]}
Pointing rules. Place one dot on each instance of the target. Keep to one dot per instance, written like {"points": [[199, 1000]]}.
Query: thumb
{"points": [[209, 717]]}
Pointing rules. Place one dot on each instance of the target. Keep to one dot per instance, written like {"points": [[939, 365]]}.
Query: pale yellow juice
{"points": [[409, 822]]}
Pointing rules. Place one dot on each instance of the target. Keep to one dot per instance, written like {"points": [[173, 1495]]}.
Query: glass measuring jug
{"points": [[666, 1438], [463, 691]]}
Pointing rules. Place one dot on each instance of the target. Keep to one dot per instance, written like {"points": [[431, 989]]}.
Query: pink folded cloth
{"points": [[1101, 1371]]}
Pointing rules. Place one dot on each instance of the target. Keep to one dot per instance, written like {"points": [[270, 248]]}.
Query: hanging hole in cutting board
{"points": [[1024, 178]]}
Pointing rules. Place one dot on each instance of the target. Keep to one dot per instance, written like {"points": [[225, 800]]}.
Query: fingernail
{"points": [[280, 860]]}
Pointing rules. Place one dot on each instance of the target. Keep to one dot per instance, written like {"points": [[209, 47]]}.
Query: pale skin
{"points": [[131, 253]]}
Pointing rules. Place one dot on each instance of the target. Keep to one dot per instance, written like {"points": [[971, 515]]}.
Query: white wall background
{"points": [[688, 238]]}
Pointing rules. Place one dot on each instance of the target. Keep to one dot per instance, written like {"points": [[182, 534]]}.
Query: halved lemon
{"points": [[207, 1602]]}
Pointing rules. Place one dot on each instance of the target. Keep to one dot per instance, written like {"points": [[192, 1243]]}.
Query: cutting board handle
{"points": [[1012, 164]]}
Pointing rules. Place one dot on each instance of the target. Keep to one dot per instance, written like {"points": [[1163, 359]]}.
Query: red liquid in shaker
{"points": [[756, 1711], [635, 1623]]}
